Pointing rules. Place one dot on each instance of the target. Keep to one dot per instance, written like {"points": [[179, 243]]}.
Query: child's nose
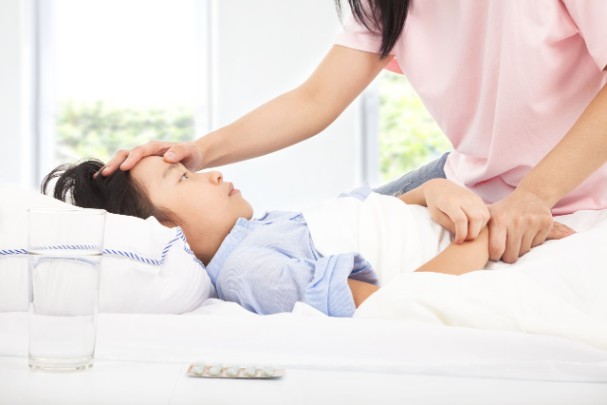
{"points": [[216, 176]]}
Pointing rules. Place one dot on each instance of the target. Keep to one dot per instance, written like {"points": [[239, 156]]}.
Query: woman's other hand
{"points": [[520, 222], [188, 153]]}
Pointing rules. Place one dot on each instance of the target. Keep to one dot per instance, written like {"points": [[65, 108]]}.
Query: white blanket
{"points": [[393, 236], [558, 289]]}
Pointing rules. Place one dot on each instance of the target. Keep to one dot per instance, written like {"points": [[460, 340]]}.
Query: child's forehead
{"points": [[149, 166], [153, 162]]}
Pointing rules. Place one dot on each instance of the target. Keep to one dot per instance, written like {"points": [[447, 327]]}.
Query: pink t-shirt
{"points": [[505, 80]]}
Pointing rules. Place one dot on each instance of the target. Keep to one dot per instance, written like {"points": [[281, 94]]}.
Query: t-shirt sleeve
{"points": [[356, 36], [267, 282], [590, 16]]}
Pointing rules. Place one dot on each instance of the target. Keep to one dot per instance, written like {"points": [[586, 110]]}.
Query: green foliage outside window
{"points": [[409, 137], [98, 130]]}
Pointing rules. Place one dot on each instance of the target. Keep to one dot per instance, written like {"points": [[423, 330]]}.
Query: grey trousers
{"points": [[409, 181]]}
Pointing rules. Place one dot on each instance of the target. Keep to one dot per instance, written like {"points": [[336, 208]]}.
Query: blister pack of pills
{"points": [[214, 370]]}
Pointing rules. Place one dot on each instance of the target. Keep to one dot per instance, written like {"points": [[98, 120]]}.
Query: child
{"points": [[268, 264]]}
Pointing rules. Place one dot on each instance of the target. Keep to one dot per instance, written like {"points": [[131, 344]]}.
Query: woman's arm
{"points": [[290, 118], [298, 114], [523, 219]]}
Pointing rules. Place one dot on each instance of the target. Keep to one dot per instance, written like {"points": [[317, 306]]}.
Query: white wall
{"points": [[15, 147], [264, 48]]}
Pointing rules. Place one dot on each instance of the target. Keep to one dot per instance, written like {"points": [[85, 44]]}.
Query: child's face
{"points": [[195, 199]]}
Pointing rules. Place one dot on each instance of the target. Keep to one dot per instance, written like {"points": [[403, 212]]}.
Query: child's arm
{"points": [[455, 259], [461, 258], [361, 290], [451, 206], [457, 209]]}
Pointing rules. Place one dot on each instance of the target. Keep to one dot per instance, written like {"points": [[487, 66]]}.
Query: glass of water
{"points": [[64, 252]]}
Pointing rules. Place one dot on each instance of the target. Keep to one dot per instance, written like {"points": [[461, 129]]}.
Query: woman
{"points": [[517, 86]]}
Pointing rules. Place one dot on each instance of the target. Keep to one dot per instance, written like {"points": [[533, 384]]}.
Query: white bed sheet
{"points": [[143, 359], [332, 344], [132, 383]]}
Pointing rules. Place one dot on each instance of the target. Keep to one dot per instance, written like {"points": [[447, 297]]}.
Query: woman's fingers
{"points": [[559, 231], [460, 224], [443, 220], [497, 242], [476, 224], [468, 219], [513, 247], [478, 217], [516, 220], [510, 245], [188, 153], [126, 159], [112, 165], [464, 224], [152, 148], [457, 209]]}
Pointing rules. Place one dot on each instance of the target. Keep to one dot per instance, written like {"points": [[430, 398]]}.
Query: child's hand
{"points": [[455, 208]]}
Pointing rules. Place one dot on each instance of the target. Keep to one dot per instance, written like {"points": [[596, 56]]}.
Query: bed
{"points": [[144, 347]]}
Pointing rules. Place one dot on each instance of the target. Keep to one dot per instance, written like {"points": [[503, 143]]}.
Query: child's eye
{"points": [[184, 176]]}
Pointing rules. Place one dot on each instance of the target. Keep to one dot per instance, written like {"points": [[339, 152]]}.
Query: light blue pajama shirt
{"points": [[268, 264]]}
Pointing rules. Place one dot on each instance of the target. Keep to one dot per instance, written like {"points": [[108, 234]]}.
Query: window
{"points": [[117, 73], [408, 136]]}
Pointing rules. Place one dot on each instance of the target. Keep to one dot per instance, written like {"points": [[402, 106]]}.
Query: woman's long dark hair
{"points": [[385, 16], [118, 193]]}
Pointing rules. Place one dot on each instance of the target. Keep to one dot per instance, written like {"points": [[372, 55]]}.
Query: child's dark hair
{"points": [[118, 193]]}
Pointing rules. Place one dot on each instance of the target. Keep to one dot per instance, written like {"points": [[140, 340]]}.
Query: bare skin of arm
{"points": [[296, 115], [290, 118]]}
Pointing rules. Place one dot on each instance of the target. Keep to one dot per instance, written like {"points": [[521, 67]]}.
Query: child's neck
{"points": [[204, 243]]}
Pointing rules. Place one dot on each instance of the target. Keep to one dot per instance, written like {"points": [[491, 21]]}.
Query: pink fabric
{"points": [[505, 80]]}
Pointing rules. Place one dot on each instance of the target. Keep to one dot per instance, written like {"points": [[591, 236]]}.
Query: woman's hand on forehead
{"points": [[186, 153]]}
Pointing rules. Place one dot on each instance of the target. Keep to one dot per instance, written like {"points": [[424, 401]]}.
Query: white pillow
{"points": [[146, 267]]}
